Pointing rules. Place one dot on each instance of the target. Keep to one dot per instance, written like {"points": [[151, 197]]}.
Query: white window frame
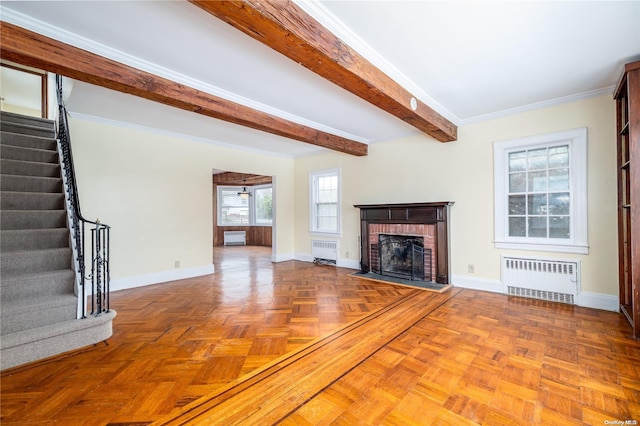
{"points": [[254, 206], [313, 182], [576, 139], [251, 205]]}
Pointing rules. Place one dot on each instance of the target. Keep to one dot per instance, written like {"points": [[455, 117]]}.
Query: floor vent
{"points": [[324, 251], [544, 279]]}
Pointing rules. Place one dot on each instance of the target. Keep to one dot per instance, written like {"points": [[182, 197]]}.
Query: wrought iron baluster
{"points": [[100, 268]]}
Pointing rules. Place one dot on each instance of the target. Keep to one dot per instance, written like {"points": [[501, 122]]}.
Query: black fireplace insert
{"points": [[403, 256]]}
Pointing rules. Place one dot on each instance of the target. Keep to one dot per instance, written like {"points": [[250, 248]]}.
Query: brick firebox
{"points": [[427, 220]]}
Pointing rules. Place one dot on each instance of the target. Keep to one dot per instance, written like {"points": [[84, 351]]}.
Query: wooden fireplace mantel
{"points": [[436, 213]]}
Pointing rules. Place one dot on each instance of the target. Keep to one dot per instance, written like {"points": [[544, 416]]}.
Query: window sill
{"points": [[325, 234], [245, 225], [558, 248]]}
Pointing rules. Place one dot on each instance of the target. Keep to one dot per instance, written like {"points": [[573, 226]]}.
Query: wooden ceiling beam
{"points": [[286, 28], [33, 49], [241, 179]]}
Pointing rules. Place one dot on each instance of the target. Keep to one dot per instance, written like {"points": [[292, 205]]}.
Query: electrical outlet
{"points": [[471, 269], [346, 255], [176, 264]]}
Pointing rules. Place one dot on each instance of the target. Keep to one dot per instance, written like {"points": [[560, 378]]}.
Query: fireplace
{"points": [[407, 241]]}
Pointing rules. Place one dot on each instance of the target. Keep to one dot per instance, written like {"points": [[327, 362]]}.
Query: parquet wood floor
{"points": [[297, 344], [178, 341]]}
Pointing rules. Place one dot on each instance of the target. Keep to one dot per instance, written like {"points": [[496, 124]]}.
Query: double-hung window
{"points": [[541, 192], [263, 205], [324, 187]]}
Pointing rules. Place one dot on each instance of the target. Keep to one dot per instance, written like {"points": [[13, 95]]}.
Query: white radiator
{"points": [[545, 279], [325, 250], [235, 237]]}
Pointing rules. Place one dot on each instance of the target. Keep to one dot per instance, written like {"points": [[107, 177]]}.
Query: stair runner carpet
{"points": [[38, 304]]}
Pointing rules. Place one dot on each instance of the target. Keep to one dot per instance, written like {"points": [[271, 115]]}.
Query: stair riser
{"points": [[9, 117], [29, 168], [30, 184], [26, 129], [32, 219], [39, 239], [28, 154], [27, 141], [32, 262], [14, 320], [27, 286], [31, 201]]}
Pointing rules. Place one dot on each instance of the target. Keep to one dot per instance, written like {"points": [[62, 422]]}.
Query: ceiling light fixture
{"points": [[244, 194]]}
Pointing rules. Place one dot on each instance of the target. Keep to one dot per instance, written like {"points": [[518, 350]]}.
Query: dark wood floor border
{"points": [[276, 390]]}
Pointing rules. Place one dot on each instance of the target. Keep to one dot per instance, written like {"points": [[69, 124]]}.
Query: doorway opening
{"points": [[243, 209], [23, 90]]}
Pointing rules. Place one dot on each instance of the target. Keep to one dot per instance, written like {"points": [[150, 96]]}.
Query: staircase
{"points": [[38, 298]]}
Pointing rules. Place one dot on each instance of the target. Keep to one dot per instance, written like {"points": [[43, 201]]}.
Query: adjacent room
{"points": [[320, 212]]}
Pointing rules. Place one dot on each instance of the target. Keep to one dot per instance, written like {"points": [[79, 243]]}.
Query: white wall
{"points": [[155, 191], [420, 169]]}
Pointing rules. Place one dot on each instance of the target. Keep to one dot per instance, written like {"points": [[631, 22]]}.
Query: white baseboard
{"points": [[606, 302], [303, 257], [483, 284], [585, 299], [160, 277], [349, 263], [282, 257], [342, 263]]}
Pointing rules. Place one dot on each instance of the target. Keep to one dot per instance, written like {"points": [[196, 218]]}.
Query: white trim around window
{"points": [[325, 203], [576, 231]]}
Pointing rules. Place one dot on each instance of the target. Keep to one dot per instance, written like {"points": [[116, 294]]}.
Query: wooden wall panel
{"points": [[256, 235]]}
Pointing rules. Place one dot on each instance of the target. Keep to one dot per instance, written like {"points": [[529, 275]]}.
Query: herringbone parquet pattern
{"points": [[298, 344]]}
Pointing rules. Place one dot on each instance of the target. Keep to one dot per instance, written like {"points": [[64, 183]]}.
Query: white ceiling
{"points": [[468, 60]]}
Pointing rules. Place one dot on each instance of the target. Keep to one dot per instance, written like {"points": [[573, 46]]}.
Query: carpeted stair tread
{"points": [[16, 183], [10, 200], [33, 239], [33, 219], [12, 117], [13, 339], [19, 348], [11, 152], [29, 168], [48, 283], [37, 312], [28, 141], [26, 129], [31, 261], [42, 302]]}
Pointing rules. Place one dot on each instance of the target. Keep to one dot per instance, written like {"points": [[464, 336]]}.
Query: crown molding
{"points": [[326, 18], [317, 11], [333, 24], [539, 105], [89, 45], [177, 135]]}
